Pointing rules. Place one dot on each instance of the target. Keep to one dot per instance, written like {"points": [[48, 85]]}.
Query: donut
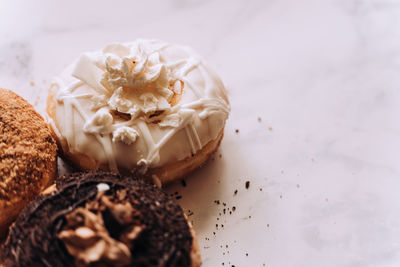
{"points": [[28, 156], [102, 219], [146, 106]]}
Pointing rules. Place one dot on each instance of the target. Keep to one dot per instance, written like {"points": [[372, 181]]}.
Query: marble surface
{"points": [[315, 94]]}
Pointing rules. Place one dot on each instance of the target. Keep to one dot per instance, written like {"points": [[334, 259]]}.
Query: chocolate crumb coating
{"points": [[163, 239]]}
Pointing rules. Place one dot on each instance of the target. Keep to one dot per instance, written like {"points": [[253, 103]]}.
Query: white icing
{"points": [[98, 101], [133, 67], [171, 120], [121, 104], [126, 135], [101, 187], [101, 122], [158, 100]]}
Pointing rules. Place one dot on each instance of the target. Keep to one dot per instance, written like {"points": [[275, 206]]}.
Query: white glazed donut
{"points": [[146, 105]]}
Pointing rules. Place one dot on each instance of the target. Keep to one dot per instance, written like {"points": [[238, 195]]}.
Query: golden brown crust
{"points": [[195, 255], [28, 156], [177, 170]]}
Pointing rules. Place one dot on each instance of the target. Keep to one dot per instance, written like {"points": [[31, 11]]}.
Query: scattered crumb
{"points": [[267, 224], [260, 189], [32, 83], [237, 131], [183, 183], [259, 119], [297, 185], [235, 193], [270, 128], [217, 202], [178, 197], [247, 185], [280, 196], [247, 254]]}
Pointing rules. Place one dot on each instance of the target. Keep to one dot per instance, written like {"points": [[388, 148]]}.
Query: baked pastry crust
{"points": [[177, 170], [167, 237], [146, 106], [28, 156]]}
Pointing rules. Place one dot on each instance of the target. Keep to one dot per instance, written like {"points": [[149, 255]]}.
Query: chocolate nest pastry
{"points": [[101, 219]]}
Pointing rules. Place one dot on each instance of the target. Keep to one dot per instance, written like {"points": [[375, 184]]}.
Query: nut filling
{"points": [[87, 238]]}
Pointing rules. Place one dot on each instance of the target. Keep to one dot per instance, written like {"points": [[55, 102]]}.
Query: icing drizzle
{"points": [[135, 81]]}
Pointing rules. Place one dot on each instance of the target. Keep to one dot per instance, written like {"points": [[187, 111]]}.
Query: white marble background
{"points": [[322, 75]]}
